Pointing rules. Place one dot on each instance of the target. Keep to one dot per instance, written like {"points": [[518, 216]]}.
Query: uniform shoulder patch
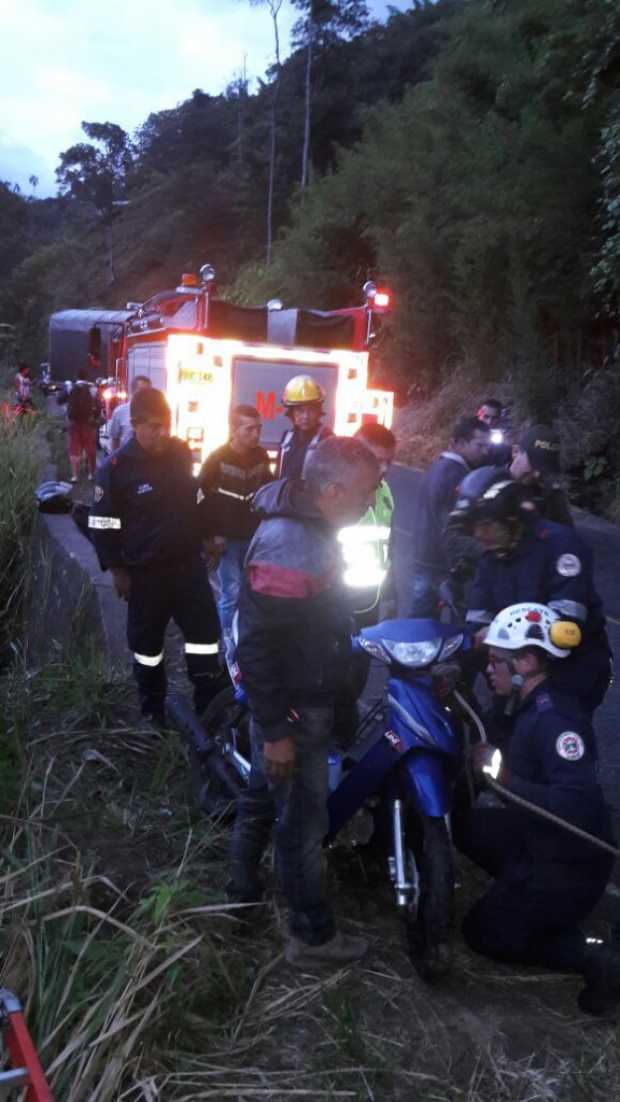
{"points": [[570, 746], [569, 566], [98, 494]]}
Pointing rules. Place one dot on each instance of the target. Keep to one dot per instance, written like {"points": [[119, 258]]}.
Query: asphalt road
{"points": [[604, 539]]}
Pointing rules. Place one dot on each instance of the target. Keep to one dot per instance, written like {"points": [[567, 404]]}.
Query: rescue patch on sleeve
{"points": [[570, 746], [98, 494], [569, 566]]}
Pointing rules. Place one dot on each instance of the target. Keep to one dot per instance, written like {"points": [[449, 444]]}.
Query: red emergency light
{"points": [[382, 300]]}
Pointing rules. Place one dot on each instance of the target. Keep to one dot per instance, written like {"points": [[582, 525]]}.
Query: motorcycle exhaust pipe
{"points": [[182, 715]]}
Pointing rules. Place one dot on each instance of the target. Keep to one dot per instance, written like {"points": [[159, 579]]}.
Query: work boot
{"points": [[601, 993], [340, 950]]}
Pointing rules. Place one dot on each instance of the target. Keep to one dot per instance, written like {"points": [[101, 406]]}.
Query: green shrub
{"points": [[19, 464]]}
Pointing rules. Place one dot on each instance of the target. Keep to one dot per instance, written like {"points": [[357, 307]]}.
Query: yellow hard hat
{"points": [[302, 390]]}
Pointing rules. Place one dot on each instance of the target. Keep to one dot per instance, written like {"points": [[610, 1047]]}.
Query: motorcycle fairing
{"points": [[418, 718], [427, 734], [427, 780], [362, 780]]}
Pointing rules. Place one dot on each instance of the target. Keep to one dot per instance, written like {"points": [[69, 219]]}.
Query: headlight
{"points": [[412, 654], [451, 645]]}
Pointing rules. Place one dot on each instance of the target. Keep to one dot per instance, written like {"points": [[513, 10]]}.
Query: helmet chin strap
{"points": [[518, 681]]}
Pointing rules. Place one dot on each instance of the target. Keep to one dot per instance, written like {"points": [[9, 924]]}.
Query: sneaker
{"points": [[602, 975], [340, 950], [73, 478]]}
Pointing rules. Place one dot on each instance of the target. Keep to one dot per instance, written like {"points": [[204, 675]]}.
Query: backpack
{"points": [[80, 405]]}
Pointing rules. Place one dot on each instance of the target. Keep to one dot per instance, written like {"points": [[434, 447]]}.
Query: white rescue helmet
{"points": [[533, 625]]}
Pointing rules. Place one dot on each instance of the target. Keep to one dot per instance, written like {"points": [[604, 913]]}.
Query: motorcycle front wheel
{"points": [[228, 723], [429, 925]]}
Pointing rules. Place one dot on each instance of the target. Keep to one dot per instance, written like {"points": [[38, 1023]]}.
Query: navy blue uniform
{"points": [[294, 447], [546, 879], [145, 518], [553, 566]]}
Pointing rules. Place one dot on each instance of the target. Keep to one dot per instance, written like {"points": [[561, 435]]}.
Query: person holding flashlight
{"points": [[499, 453], [546, 879]]}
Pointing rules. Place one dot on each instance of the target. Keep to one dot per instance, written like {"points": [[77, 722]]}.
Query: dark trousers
{"points": [[158, 595], [532, 910], [297, 810]]}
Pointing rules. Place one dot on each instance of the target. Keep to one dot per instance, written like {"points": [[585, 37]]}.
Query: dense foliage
{"points": [[467, 151]]}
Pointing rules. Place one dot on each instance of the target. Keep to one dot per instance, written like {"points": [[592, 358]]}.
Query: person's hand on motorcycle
{"points": [[280, 758], [122, 582], [487, 760]]}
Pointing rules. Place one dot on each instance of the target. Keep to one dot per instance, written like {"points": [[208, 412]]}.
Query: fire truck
{"points": [[208, 355]]}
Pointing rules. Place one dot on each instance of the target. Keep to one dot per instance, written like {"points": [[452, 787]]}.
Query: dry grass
{"points": [[141, 985]]}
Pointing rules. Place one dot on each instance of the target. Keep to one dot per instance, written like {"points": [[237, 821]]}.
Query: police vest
{"points": [[366, 548]]}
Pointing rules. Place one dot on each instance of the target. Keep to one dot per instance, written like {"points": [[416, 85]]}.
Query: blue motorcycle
{"points": [[391, 788]]}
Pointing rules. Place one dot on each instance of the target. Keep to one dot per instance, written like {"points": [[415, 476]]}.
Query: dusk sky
{"points": [[62, 61]]}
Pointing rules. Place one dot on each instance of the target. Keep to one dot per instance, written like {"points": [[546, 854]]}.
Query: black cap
{"points": [[542, 446]]}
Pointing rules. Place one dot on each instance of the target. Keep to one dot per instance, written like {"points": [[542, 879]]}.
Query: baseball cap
{"points": [[542, 446]]}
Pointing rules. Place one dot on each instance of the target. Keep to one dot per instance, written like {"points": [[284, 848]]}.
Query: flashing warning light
{"points": [[382, 300], [188, 279]]}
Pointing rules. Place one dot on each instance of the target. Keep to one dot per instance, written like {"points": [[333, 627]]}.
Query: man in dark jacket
{"points": [[294, 644], [144, 525], [546, 880], [230, 477], [436, 500]]}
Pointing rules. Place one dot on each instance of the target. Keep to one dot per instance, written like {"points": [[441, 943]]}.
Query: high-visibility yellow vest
{"points": [[366, 548]]}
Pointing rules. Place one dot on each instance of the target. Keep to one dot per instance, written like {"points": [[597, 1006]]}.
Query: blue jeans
{"points": [[296, 810], [230, 576]]}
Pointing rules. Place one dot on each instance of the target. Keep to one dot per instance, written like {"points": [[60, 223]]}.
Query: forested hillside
{"points": [[467, 152]]}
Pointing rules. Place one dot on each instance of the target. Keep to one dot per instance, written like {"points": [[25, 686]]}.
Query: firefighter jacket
{"points": [[437, 499], [550, 759], [228, 482], [294, 448], [294, 626], [145, 511], [366, 550]]}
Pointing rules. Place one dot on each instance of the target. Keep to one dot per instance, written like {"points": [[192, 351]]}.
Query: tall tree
{"points": [[322, 21], [274, 7], [98, 174]]}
